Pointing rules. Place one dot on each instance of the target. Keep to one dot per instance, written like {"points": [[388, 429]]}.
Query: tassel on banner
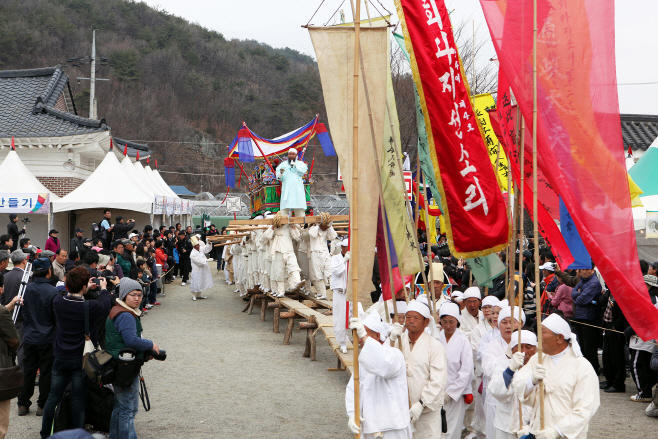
{"points": [[229, 172]]}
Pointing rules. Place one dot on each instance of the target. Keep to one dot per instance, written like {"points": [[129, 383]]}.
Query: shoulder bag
{"points": [[98, 364]]}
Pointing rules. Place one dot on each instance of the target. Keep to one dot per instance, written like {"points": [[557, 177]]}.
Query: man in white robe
{"points": [[459, 354], [201, 278], [507, 409], [253, 270], [284, 262], [571, 386], [477, 423], [319, 266], [293, 193], [383, 392], [303, 258], [427, 373], [471, 313], [492, 354], [339, 286], [236, 251]]}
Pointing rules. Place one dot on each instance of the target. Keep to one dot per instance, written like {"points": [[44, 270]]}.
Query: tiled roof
{"points": [[28, 105], [133, 148], [181, 190], [639, 130]]}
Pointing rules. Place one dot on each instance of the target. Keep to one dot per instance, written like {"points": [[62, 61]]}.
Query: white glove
{"points": [[538, 374], [415, 411], [396, 331], [355, 323], [352, 425], [523, 432], [347, 256], [516, 362], [547, 433]]}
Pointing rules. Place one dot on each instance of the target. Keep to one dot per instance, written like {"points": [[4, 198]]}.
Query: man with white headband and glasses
{"points": [[571, 387], [493, 353], [293, 194], [383, 384], [459, 393], [507, 409], [486, 325], [426, 370]]}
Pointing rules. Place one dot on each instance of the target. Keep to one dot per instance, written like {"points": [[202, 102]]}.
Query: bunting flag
{"points": [[474, 208], [242, 145], [482, 104], [579, 141]]}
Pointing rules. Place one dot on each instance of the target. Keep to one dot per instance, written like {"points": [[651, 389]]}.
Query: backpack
{"points": [[98, 231]]}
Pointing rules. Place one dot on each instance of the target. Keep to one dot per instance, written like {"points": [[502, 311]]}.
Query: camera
{"points": [[160, 357], [26, 220], [31, 252]]}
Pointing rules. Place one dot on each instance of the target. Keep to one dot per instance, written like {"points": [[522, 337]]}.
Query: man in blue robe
{"points": [[293, 194]]}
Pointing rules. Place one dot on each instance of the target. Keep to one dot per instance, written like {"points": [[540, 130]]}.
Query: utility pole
{"points": [[93, 113]]}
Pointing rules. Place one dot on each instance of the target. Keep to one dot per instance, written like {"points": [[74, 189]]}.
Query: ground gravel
{"points": [[227, 375]]}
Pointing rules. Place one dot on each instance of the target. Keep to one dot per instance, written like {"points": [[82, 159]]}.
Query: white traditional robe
{"points": [[468, 322], [507, 408], [383, 392], [303, 254], [571, 393], [201, 278], [284, 262], [460, 373], [293, 194], [478, 422], [427, 376], [319, 266], [492, 354], [339, 286]]}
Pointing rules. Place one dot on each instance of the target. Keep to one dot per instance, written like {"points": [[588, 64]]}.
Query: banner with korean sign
{"points": [[474, 208], [169, 205], [184, 207], [177, 206], [24, 203], [158, 205]]}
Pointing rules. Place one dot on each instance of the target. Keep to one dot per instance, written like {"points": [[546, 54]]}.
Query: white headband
{"points": [[450, 309], [374, 323], [420, 308], [527, 337], [557, 325], [490, 300], [507, 312], [472, 292], [457, 296]]}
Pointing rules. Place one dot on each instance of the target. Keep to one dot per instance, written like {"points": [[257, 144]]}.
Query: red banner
{"points": [[579, 140], [504, 123], [474, 208]]}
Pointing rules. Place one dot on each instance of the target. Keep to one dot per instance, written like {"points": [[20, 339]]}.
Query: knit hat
{"points": [[651, 280], [128, 285]]}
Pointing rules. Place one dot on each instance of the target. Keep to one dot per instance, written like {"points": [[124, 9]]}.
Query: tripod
{"points": [[21, 291]]}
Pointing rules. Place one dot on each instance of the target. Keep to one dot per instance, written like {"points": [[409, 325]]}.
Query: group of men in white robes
{"points": [[474, 360]]}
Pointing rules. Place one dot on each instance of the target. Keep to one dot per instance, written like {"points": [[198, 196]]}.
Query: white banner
{"points": [[24, 203], [158, 205], [169, 203], [177, 206]]}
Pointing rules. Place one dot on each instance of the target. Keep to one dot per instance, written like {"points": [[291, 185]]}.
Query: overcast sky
{"points": [[278, 23]]}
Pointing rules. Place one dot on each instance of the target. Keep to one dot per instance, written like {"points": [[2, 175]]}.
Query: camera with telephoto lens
{"points": [[26, 220], [160, 357], [31, 252]]}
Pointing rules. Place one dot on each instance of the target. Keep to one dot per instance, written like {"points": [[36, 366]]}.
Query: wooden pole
{"points": [[512, 251], [534, 205], [354, 222], [430, 261], [417, 192]]}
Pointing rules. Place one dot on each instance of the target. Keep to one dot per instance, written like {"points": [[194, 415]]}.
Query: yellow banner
{"points": [[481, 103]]}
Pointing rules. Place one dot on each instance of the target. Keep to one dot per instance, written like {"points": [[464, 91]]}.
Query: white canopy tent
{"points": [[17, 179], [169, 191], [108, 187]]}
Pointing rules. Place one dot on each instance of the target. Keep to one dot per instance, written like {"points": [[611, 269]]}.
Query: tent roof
{"points": [[156, 173], [17, 178], [109, 186], [153, 177], [145, 182]]}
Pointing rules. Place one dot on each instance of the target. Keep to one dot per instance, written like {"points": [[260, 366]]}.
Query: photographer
{"points": [[121, 230], [12, 230], [68, 345], [124, 330]]}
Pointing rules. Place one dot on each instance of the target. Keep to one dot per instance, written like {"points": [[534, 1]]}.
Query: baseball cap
{"points": [[53, 231], [41, 264], [79, 230]]}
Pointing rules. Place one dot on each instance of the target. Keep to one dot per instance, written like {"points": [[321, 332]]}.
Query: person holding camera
{"points": [[123, 329], [68, 345], [13, 231], [121, 230]]}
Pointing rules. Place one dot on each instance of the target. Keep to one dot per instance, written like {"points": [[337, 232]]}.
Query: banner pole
{"points": [[430, 260], [534, 204], [521, 143], [354, 224]]}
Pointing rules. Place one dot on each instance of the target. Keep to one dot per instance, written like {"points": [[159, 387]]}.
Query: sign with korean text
{"points": [[482, 104], [474, 208], [408, 184], [158, 205], [24, 203]]}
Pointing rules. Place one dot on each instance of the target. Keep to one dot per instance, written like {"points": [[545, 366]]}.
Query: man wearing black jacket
{"points": [[121, 230], [614, 358], [12, 230], [184, 247]]}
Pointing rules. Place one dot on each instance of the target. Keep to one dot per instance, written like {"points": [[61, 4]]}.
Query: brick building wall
{"points": [[61, 186]]}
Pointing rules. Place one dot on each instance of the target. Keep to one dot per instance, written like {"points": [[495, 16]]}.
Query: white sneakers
{"points": [[193, 297], [343, 349], [182, 283], [281, 295]]}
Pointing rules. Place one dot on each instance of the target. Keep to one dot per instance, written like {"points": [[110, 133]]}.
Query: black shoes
{"points": [[613, 389], [604, 385]]}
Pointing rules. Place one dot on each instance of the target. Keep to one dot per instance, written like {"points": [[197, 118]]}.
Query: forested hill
{"points": [[170, 80]]}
